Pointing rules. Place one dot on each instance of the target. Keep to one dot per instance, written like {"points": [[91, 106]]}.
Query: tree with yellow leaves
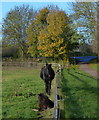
{"points": [[33, 31], [54, 36]]}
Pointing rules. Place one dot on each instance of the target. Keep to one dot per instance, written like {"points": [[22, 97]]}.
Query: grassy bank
{"points": [[20, 87], [80, 94]]}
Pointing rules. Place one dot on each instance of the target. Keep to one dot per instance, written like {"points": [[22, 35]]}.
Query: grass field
{"points": [[80, 94], [94, 66], [20, 87]]}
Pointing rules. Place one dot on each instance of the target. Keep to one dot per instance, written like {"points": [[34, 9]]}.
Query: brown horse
{"points": [[44, 102]]}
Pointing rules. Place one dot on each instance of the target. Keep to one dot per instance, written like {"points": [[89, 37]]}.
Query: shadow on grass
{"points": [[73, 107], [85, 75], [86, 86], [77, 78]]}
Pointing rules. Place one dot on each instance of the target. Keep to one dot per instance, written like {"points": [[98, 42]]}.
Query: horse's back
{"points": [[52, 74]]}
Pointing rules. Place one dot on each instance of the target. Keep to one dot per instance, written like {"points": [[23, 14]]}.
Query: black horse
{"points": [[47, 74]]}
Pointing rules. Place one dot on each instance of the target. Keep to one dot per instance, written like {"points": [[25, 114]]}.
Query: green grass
{"points": [[20, 87], [80, 94], [95, 66]]}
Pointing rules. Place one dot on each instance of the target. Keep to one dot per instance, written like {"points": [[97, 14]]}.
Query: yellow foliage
{"points": [[49, 39], [47, 32]]}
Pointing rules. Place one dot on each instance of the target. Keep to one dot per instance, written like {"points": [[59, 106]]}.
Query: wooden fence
{"points": [[57, 112]]}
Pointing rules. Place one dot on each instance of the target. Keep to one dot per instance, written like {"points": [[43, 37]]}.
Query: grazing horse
{"points": [[47, 74]]}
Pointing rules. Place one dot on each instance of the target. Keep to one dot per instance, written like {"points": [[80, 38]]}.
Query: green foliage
{"points": [[20, 89], [80, 94], [32, 42], [85, 15], [10, 52], [14, 27], [85, 19]]}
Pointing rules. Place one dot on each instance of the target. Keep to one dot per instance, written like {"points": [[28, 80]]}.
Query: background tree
{"points": [[32, 33], [10, 52], [85, 19], [15, 25]]}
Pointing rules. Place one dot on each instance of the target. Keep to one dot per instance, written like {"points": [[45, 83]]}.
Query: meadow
{"points": [[20, 89], [21, 86], [80, 94]]}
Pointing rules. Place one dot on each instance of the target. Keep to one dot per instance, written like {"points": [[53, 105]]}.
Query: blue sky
{"points": [[6, 6]]}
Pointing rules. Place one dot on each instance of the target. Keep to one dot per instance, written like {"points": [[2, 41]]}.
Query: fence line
{"points": [[56, 113], [24, 64]]}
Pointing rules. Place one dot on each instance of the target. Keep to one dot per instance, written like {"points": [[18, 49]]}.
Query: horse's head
{"points": [[48, 65], [48, 69]]}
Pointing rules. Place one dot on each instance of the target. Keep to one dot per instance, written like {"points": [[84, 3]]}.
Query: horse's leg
{"points": [[50, 84], [46, 86], [49, 87]]}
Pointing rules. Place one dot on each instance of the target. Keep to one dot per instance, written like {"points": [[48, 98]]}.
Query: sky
{"points": [[6, 6]]}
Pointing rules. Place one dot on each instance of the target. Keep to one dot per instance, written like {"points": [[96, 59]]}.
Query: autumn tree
{"points": [[15, 25], [55, 38], [33, 32]]}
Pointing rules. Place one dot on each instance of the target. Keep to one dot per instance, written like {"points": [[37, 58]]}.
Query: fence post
{"points": [[56, 113]]}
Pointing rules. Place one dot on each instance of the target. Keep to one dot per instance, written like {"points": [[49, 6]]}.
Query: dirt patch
{"points": [[89, 70]]}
